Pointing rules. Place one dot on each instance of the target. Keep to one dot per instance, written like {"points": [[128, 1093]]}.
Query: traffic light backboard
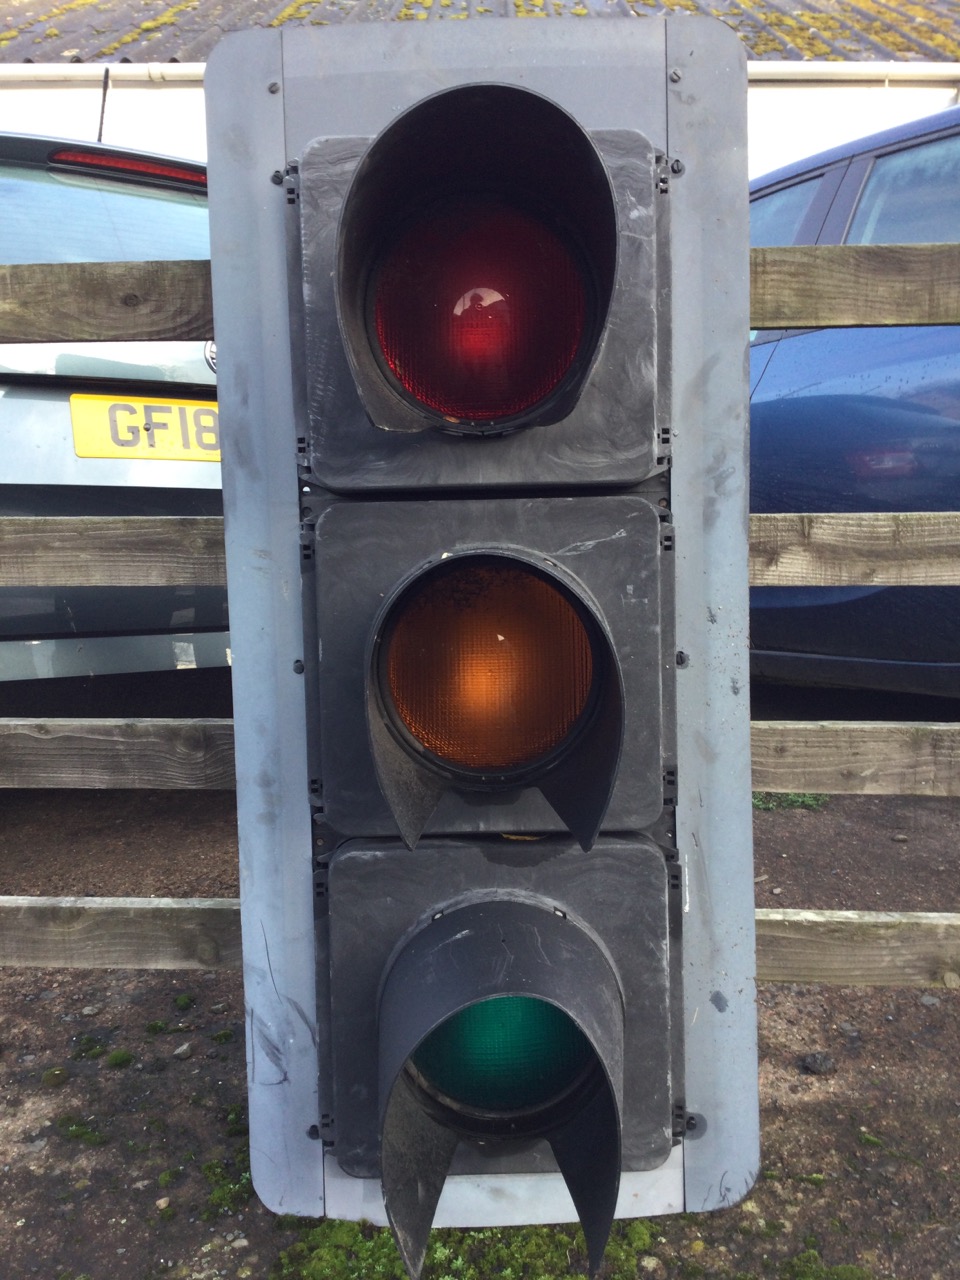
{"points": [[481, 309]]}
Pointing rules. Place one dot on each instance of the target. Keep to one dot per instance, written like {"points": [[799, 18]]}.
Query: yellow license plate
{"points": [[157, 429]]}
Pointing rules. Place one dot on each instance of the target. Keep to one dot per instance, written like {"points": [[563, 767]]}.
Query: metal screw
{"points": [[276, 178], [675, 76], [273, 86], [682, 658], [676, 166], [298, 667]]}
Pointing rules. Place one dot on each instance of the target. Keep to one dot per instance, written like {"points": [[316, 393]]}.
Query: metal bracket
{"points": [[291, 182]]}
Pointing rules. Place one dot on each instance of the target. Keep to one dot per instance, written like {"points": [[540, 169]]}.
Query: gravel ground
{"points": [[122, 1094]]}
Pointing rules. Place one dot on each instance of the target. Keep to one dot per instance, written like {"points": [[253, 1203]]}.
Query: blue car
{"points": [[859, 419]]}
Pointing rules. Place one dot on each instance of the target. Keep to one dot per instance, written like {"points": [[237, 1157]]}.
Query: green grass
{"points": [[358, 1251], [88, 1048], [230, 1185], [237, 1125], [808, 1266], [78, 1130], [119, 1059], [329, 1250], [768, 801]]}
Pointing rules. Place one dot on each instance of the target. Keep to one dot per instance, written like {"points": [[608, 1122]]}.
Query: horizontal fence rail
{"points": [[843, 948], [919, 548], [852, 286], [120, 933], [106, 302], [862, 758], [792, 287], [877, 549], [832, 757], [91, 754], [112, 551], [859, 948]]}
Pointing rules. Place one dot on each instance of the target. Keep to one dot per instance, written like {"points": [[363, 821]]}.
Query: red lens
{"points": [[479, 312]]}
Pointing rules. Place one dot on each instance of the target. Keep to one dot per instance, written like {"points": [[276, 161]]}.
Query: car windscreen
{"points": [[55, 217]]}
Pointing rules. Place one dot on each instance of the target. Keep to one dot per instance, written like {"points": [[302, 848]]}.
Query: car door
{"points": [[865, 420]]}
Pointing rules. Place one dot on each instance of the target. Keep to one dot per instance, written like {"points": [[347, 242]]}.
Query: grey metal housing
{"points": [[681, 83]]}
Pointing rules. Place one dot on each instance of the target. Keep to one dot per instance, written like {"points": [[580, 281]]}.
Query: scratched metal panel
{"points": [[269, 96], [608, 75], [710, 271], [262, 520]]}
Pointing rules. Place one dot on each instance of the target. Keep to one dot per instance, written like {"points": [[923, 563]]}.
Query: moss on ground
{"points": [[358, 1251]]}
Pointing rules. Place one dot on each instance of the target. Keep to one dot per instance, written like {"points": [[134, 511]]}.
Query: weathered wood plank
{"points": [[917, 548], [824, 286], [111, 551], [120, 933], [125, 754], [846, 948], [838, 757], [876, 549], [792, 287], [105, 301], [859, 948], [856, 758]]}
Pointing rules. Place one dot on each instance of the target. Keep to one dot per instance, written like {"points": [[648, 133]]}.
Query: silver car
{"points": [[72, 442]]}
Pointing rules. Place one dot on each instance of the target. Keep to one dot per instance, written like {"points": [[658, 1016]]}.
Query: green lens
{"points": [[510, 1053]]}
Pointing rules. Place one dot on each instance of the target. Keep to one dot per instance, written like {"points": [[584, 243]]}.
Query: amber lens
{"points": [[489, 665]]}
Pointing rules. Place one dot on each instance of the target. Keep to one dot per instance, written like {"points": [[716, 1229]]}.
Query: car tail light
{"points": [[130, 166], [880, 464]]}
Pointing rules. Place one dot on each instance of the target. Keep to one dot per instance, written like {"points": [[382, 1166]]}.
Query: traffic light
{"points": [[481, 309]]}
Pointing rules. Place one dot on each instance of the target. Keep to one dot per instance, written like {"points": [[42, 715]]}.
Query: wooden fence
{"points": [[790, 288]]}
